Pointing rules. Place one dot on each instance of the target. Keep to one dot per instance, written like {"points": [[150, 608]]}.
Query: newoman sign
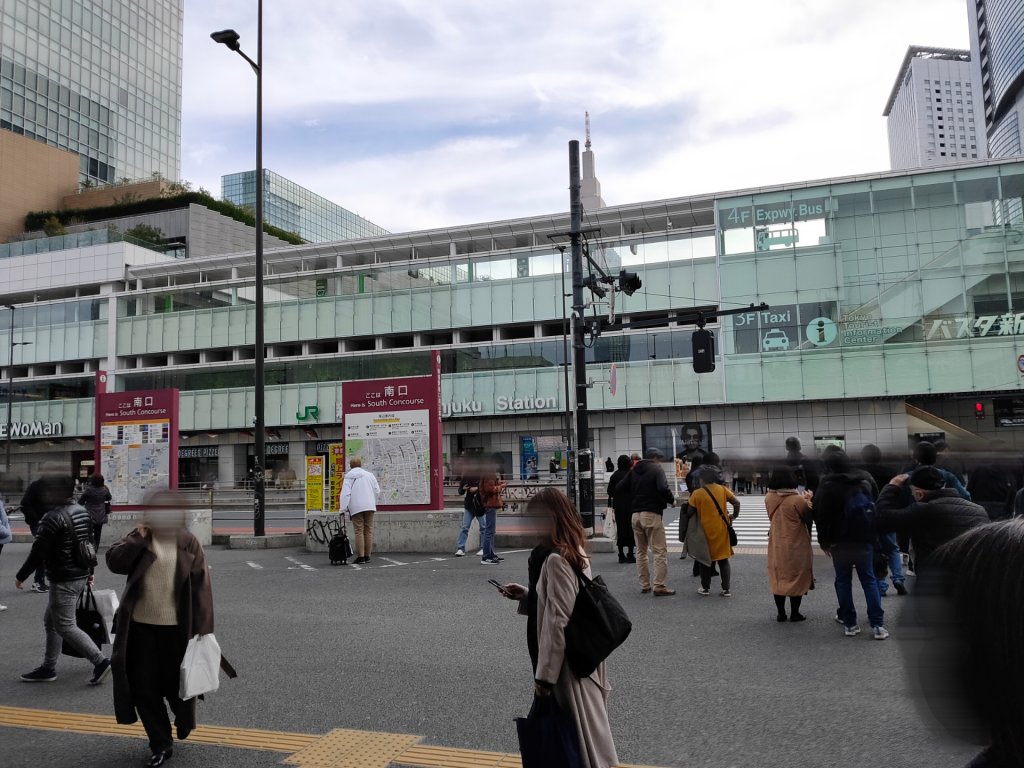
{"points": [[33, 429]]}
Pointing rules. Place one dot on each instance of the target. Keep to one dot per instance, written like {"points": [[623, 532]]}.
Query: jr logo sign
{"points": [[311, 413]]}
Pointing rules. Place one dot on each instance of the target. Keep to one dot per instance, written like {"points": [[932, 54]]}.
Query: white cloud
{"points": [[686, 97]]}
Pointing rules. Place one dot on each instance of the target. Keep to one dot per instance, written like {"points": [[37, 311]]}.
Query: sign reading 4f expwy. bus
{"points": [[772, 213]]}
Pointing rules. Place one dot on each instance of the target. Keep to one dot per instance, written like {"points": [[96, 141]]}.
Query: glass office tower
{"points": [[293, 208], [997, 47], [102, 79]]}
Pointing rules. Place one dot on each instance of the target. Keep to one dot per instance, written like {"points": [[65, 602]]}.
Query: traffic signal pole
{"points": [[584, 454]]}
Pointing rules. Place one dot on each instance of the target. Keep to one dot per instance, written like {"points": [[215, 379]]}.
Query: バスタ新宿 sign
{"points": [[394, 426], [1007, 324]]}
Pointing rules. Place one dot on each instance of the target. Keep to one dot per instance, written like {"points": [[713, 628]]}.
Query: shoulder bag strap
{"points": [[718, 507], [70, 524]]}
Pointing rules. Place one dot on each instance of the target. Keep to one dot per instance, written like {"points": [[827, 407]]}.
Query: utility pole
{"points": [[570, 468], [584, 455]]}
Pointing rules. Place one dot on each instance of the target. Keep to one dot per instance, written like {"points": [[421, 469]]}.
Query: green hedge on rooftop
{"points": [[34, 221]]}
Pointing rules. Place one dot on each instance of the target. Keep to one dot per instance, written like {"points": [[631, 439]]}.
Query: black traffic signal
{"points": [[629, 282], [703, 351], [979, 411]]}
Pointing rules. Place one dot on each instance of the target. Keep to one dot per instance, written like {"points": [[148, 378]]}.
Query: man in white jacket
{"points": [[359, 495]]}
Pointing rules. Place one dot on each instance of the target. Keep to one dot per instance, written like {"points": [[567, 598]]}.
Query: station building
{"points": [[896, 309]]}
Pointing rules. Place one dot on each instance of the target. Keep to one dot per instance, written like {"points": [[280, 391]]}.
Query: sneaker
{"points": [[852, 631], [900, 588], [837, 620], [703, 592], [41, 588], [490, 561], [726, 593], [40, 675], [3, 607], [460, 553], [100, 672], [880, 633], [480, 553]]}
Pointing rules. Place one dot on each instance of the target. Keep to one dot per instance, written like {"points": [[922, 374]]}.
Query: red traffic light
{"points": [[979, 411]]}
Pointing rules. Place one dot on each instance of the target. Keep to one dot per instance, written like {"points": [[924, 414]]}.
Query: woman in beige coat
{"points": [[547, 604], [790, 558]]}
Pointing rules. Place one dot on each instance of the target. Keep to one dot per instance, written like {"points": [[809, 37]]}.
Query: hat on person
{"points": [[653, 453], [927, 479]]}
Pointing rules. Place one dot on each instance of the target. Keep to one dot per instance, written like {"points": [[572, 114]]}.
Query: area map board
{"points": [[138, 443], [394, 426]]}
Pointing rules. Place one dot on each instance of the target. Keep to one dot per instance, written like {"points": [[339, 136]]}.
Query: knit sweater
{"points": [[158, 605]]}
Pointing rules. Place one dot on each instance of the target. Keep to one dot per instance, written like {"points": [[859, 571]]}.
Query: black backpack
{"points": [[83, 551], [858, 522]]}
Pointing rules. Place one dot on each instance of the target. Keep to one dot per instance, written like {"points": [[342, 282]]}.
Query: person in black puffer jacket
{"points": [[937, 516], [56, 547]]}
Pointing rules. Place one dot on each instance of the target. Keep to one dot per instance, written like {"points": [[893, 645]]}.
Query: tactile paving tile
{"points": [[353, 749], [422, 756]]}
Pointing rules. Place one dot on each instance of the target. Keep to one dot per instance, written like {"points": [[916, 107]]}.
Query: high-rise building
{"points": [[997, 47], [934, 110], [294, 208], [102, 80]]}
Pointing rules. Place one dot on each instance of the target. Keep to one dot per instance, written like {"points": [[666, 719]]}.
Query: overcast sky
{"points": [[418, 115]]}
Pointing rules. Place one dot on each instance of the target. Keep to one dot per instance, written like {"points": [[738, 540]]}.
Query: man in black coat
{"points": [[937, 516], [648, 490]]}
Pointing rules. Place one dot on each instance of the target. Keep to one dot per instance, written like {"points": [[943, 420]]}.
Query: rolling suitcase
{"points": [[339, 550]]}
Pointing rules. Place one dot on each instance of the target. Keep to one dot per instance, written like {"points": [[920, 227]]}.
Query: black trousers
{"points": [[153, 664], [97, 531], [706, 571]]}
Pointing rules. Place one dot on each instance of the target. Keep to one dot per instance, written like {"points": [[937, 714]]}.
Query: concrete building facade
{"points": [[895, 307], [33, 177], [934, 111]]}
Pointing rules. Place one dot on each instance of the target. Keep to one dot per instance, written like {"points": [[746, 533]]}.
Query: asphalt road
{"points": [[427, 647]]}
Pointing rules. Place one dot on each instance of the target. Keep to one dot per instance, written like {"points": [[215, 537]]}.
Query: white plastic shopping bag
{"points": [[609, 524], [200, 669], [106, 604]]}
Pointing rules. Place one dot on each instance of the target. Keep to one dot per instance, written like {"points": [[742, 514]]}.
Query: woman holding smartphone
{"points": [[548, 603]]}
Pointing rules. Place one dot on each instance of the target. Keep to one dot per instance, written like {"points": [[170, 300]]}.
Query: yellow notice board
{"points": [[337, 459], [314, 484]]}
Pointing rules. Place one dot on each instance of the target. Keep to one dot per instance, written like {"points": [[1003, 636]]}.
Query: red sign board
{"points": [[394, 426], [137, 443]]}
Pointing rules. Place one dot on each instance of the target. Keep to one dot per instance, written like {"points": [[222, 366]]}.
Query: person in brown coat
{"points": [[166, 602], [790, 558]]}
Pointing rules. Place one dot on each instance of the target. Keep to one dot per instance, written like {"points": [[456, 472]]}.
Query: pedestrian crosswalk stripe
{"points": [[751, 526]]}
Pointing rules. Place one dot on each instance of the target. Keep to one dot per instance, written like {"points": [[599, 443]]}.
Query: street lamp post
{"points": [[230, 38], [10, 392]]}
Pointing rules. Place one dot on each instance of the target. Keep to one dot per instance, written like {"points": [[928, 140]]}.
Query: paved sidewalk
{"points": [[423, 646]]}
